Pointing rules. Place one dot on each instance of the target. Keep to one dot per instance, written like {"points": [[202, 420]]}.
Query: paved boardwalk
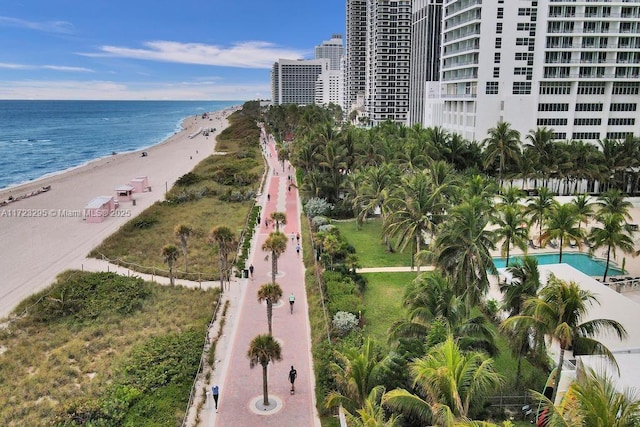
{"points": [[240, 386]]}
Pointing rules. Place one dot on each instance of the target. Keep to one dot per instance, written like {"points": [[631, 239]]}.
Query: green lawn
{"points": [[370, 247], [383, 302]]}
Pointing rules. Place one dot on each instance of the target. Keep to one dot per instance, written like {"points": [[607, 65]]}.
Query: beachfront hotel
{"points": [[378, 43], [311, 81], [573, 66]]}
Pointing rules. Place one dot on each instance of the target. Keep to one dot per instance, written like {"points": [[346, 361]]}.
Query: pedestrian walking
{"points": [[292, 300], [251, 270], [298, 237], [268, 197], [215, 392], [293, 374], [298, 248], [292, 236], [259, 220]]}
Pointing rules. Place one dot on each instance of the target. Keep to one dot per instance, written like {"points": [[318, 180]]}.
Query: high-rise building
{"points": [[294, 81], [332, 50], [573, 66], [377, 58], [426, 20], [355, 53]]}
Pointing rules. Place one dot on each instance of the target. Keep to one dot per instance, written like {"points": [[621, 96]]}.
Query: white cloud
{"points": [[109, 90], [67, 68], [48, 26], [13, 66], [251, 54]]}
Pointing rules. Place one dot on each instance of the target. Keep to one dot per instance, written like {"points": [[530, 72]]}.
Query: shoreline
{"points": [[44, 235]]}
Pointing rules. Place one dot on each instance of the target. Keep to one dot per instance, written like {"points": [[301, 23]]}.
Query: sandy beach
{"points": [[46, 234]]}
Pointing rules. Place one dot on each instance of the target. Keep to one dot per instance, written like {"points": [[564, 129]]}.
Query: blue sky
{"points": [[160, 49]]}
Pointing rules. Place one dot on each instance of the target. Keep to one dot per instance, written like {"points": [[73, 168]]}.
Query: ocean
{"points": [[38, 138]]}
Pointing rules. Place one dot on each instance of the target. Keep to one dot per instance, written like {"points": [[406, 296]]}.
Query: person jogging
{"points": [[292, 299]]}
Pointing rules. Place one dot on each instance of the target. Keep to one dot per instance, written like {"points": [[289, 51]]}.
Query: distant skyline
{"points": [[142, 49]]}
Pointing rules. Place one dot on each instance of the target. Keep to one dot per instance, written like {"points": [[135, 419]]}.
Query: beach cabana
{"points": [[140, 184], [99, 208], [124, 193]]}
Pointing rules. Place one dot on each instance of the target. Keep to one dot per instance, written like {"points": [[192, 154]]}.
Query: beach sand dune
{"points": [[45, 234]]}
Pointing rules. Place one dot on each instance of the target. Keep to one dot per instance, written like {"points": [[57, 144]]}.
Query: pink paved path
{"points": [[240, 386]]}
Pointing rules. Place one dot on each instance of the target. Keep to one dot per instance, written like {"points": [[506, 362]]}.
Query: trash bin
{"points": [[134, 202], [245, 273]]}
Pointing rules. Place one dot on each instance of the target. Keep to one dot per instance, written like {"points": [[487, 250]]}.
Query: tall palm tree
{"points": [[356, 372], [583, 208], [225, 243], [614, 202], [183, 232], [502, 144], [540, 142], [538, 208], [278, 218], [450, 385], [562, 225], [559, 312], [593, 400], [461, 249], [512, 229], [170, 255], [262, 350], [524, 284], [376, 182], [276, 244], [271, 294], [613, 234]]}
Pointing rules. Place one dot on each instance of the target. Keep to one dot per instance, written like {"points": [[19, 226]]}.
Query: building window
{"points": [[590, 88], [551, 122], [587, 122], [498, 42], [553, 107], [622, 107], [522, 88], [496, 58], [626, 88], [585, 135], [594, 106], [492, 88], [621, 121], [558, 135], [619, 135], [496, 72], [499, 28], [500, 13]]}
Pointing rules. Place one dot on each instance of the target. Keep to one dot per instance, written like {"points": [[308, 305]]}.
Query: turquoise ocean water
{"points": [[43, 137]]}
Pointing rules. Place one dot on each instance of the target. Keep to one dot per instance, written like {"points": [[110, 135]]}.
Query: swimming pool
{"points": [[579, 261]]}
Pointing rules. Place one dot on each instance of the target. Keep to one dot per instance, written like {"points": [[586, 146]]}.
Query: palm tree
{"points": [[372, 414], [562, 225], [278, 218], [593, 400], [538, 208], [614, 202], [225, 242], [502, 144], [170, 255], [613, 235], [430, 299], [271, 294], [524, 284], [183, 232], [262, 350], [540, 142], [462, 247], [276, 244], [512, 230], [583, 209], [558, 312], [356, 372], [453, 383]]}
